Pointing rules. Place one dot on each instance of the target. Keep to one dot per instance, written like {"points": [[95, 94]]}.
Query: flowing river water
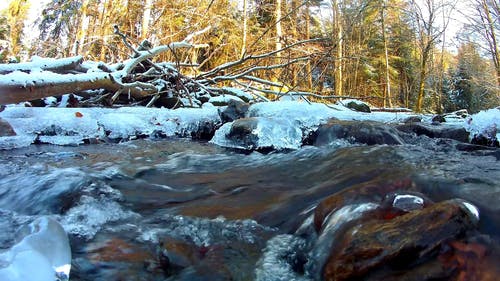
{"points": [[184, 210]]}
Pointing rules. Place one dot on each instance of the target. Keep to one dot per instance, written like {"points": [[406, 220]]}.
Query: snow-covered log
{"points": [[53, 65], [19, 86]]}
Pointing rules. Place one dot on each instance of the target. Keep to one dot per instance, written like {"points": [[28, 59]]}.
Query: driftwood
{"points": [[137, 77]]}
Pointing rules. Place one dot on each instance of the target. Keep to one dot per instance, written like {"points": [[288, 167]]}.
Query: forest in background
{"points": [[390, 53]]}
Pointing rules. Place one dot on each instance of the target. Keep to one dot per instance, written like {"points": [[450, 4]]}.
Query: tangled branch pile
{"points": [[138, 80]]}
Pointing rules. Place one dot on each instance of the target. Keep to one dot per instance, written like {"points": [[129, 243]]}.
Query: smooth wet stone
{"points": [[413, 119], [405, 202], [400, 243], [366, 132], [472, 147], [438, 119], [206, 130], [116, 258], [357, 193], [242, 132], [234, 111], [458, 133], [358, 106], [168, 102], [482, 140], [6, 129], [182, 260]]}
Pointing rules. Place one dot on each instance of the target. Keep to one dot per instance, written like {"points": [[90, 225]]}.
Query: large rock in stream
{"points": [[436, 131], [366, 132], [234, 111], [259, 133], [401, 248]]}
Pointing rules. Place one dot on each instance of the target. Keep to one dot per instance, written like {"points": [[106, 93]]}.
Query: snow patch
{"points": [[485, 123], [223, 99]]}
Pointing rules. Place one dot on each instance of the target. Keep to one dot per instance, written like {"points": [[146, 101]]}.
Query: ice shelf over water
{"points": [[71, 126]]}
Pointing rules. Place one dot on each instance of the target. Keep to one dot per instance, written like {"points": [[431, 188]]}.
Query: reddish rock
{"points": [[398, 244], [472, 260], [118, 250], [177, 254], [6, 129]]}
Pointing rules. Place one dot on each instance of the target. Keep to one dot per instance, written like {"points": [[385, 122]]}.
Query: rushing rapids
{"points": [[184, 210]]}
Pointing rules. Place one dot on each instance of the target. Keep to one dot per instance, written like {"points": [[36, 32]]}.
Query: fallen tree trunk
{"points": [[17, 87], [48, 64]]}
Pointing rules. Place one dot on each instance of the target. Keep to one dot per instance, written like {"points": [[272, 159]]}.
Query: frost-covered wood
{"points": [[51, 77], [54, 65], [140, 77]]}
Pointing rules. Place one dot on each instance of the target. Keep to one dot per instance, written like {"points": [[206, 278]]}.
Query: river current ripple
{"points": [[182, 210]]}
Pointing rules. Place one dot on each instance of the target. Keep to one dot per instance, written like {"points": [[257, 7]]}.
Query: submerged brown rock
{"points": [[404, 243]]}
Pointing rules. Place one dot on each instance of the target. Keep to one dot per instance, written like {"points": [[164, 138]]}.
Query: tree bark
{"points": [[388, 97], [338, 43], [245, 28], [15, 87], [146, 18], [279, 30], [490, 31], [308, 36]]}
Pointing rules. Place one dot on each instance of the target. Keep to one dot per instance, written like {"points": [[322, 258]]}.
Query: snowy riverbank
{"points": [[285, 123]]}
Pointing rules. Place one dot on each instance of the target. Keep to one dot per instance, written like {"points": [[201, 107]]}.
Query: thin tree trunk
{"points": [[421, 83], [279, 30], [146, 18], [308, 36], [493, 41], [388, 97], [245, 28], [439, 87], [338, 42], [83, 29]]}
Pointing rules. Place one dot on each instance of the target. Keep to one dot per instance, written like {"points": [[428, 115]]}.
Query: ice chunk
{"points": [[267, 132], [44, 254], [12, 142]]}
